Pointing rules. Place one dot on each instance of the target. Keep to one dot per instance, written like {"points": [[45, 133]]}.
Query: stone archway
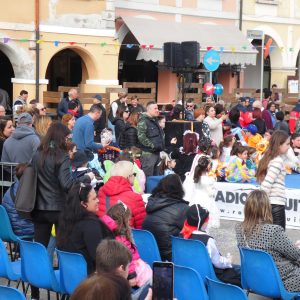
{"points": [[70, 66], [6, 74]]}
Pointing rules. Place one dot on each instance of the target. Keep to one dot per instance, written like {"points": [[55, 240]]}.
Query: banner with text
{"points": [[231, 197]]}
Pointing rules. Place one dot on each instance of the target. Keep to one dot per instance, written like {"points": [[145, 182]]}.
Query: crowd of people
{"points": [[91, 174]]}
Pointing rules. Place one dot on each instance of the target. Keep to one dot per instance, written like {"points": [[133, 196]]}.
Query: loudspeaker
{"points": [[190, 54], [173, 55]]}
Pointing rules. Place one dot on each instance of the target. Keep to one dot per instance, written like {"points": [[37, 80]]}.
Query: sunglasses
{"points": [[43, 109], [190, 106]]}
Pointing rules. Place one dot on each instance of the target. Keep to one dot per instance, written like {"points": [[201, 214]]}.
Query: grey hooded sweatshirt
{"points": [[21, 145]]}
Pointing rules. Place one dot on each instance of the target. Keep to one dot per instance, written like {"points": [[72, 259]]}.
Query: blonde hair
{"points": [[122, 168], [257, 212], [41, 125]]}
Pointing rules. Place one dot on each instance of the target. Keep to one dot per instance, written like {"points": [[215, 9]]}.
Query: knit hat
{"points": [[81, 157], [25, 118], [252, 128], [197, 215]]}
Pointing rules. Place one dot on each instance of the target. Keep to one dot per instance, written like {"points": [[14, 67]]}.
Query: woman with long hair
{"points": [[120, 121], [41, 125], [54, 180], [215, 124], [271, 174], [166, 212], [258, 232], [129, 136], [204, 132], [80, 229], [185, 155], [6, 129]]}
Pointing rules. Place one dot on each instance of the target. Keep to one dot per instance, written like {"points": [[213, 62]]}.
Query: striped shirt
{"points": [[274, 182]]}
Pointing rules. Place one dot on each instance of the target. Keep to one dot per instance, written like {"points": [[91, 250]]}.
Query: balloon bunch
{"points": [[211, 89]]}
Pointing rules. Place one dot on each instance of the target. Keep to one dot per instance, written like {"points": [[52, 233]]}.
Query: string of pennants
{"points": [[56, 43]]}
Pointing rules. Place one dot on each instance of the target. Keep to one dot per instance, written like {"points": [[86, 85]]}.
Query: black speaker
{"points": [[173, 55], [190, 54]]}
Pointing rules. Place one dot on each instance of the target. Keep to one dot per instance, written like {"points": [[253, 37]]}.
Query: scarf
{"points": [[187, 230]]}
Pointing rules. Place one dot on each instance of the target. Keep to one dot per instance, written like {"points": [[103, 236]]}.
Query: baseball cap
{"points": [[25, 118], [252, 128], [98, 97]]}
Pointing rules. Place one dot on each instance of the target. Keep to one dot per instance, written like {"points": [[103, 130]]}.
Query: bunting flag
{"points": [[267, 47]]}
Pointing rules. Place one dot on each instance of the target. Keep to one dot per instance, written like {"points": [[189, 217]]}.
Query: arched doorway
{"points": [[6, 74], [64, 69]]}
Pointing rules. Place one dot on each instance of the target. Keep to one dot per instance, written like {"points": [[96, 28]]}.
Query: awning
{"points": [[232, 45]]}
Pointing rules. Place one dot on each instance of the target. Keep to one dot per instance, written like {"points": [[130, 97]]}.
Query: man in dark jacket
{"points": [[151, 138], [63, 105], [22, 144]]}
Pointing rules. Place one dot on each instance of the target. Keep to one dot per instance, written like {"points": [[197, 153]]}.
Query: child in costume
{"points": [[200, 189], [237, 170]]}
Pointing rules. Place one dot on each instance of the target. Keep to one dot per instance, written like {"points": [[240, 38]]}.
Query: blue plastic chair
{"points": [[9, 270], [146, 245], [152, 182], [73, 270], [6, 232], [193, 254], [218, 290], [36, 267], [260, 275], [188, 284], [9, 293]]}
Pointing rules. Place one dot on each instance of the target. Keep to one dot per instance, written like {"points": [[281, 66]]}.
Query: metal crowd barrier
{"points": [[7, 177]]}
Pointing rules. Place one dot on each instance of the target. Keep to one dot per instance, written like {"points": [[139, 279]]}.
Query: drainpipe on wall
{"points": [[37, 49], [240, 28]]}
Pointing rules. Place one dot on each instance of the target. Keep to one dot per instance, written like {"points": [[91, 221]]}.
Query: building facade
{"points": [[78, 43]]}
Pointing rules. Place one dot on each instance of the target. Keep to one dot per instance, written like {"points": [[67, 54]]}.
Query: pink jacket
{"points": [[112, 225]]}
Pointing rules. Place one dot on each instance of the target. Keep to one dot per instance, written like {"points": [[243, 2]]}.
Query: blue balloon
{"points": [[219, 89]]}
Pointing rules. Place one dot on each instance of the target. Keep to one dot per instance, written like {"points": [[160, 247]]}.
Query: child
{"points": [[117, 219], [237, 170], [197, 220], [281, 124], [271, 174], [200, 189], [73, 108], [217, 170], [111, 152], [226, 147], [80, 168], [166, 165], [251, 136], [251, 161]]}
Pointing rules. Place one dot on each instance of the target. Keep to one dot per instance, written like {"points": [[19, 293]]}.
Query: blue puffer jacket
{"points": [[20, 226]]}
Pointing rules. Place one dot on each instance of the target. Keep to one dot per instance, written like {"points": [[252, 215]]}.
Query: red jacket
{"points": [[294, 116], [119, 188]]}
